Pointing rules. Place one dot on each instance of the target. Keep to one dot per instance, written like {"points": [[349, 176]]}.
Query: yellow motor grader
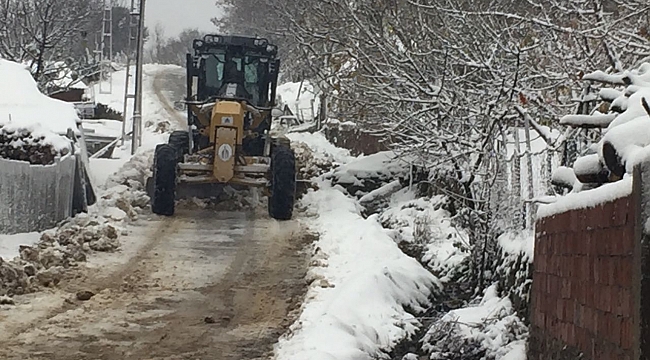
{"points": [[231, 91]]}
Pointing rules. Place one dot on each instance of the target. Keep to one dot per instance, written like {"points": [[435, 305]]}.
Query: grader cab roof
{"points": [[250, 45]]}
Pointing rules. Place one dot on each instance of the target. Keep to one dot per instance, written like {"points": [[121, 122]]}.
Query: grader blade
{"points": [[186, 191]]}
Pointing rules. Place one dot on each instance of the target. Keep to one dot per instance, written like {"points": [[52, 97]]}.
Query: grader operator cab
{"points": [[231, 90]]}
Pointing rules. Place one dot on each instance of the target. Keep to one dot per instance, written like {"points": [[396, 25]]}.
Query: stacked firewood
{"points": [[22, 145]]}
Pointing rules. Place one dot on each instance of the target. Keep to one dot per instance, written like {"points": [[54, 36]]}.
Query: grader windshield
{"points": [[247, 71]]}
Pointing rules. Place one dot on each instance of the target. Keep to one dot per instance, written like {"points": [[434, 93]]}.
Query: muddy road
{"points": [[204, 284]]}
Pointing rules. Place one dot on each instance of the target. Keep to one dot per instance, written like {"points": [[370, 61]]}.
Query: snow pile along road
{"points": [[59, 250], [360, 286]]}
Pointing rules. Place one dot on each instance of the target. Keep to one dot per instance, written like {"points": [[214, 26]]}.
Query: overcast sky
{"points": [[176, 15]]}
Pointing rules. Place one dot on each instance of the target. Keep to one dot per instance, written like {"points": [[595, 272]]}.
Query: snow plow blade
{"points": [[190, 191]]}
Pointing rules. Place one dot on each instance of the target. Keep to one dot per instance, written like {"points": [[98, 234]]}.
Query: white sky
{"points": [[176, 15]]}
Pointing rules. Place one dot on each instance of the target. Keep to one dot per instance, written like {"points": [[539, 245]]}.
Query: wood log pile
{"points": [[620, 103], [22, 145]]}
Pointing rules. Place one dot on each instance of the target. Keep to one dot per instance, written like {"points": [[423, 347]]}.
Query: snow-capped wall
{"points": [[584, 283]]}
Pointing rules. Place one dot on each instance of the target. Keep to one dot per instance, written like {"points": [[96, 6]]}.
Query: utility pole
{"points": [[137, 109], [105, 50], [134, 26]]}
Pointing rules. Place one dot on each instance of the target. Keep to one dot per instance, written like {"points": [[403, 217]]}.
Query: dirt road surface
{"points": [[204, 284]]}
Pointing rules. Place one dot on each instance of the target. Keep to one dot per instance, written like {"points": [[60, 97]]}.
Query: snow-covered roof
{"points": [[23, 106]]}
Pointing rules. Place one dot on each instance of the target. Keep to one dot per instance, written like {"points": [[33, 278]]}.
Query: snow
{"points": [[588, 198], [23, 106], [102, 169], [492, 323], [424, 221], [383, 191], [588, 164], [114, 100], [595, 120], [600, 76], [302, 108], [104, 127], [564, 175], [361, 283], [516, 243], [63, 76], [321, 146], [629, 138], [383, 164], [9, 244], [609, 94], [634, 108]]}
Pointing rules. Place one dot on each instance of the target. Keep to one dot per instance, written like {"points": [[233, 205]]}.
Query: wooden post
{"points": [[530, 216], [516, 181]]}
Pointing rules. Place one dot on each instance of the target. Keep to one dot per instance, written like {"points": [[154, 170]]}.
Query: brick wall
{"points": [[585, 284]]}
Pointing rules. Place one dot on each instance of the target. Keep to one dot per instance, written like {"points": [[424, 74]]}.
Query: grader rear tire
{"points": [[283, 183], [164, 180]]}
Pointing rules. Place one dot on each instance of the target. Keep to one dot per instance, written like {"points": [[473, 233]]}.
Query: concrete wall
{"points": [[35, 198]]}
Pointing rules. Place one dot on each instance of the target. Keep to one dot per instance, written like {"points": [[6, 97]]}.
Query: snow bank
{"points": [[424, 223], [24, 108], [360, 285]]}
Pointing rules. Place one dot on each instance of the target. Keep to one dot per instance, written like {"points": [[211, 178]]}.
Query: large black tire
{"points": [[164, 180], [180, 140], [283, 183]]}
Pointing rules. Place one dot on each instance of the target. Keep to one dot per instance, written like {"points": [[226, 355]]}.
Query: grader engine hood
{"points": [[230, 114], [226, 132]]}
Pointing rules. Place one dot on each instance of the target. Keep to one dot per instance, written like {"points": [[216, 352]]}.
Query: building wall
{"points": [[586, 284]]}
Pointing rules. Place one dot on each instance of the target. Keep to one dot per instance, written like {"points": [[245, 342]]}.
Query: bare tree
{"points": [[40, 32]]}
